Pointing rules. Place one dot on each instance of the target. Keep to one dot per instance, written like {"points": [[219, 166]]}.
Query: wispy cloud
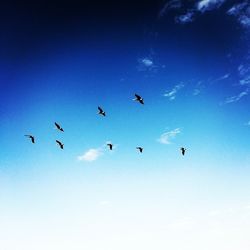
{"points": [[190, 9], [186, 18], [242, 69], [146, 64], [242, 12], [168, 136], [226, 76], [173, 4], [245, 80], [237, 8], [205, 5], [236, 98], [91, 154], [172, 94], [221, 78], [196, 91], [199, 86], [244, 74]]}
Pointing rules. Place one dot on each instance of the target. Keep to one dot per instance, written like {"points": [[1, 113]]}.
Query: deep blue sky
{"points": [[60, 60]]}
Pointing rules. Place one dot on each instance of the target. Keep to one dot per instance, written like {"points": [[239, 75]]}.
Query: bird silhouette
{"points": [[183, 150], [59, 127], [110, 146], [31, 137], [101, 112], [60, 144], [140, 149], [138, 99]]}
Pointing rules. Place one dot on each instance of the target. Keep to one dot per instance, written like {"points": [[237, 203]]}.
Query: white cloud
{"points": [[147, 62], [205, 5], [166, 137], [172, 94], [236, 98], [91, 155]]}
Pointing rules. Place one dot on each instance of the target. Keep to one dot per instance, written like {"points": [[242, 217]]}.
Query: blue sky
{"points": [[190, 63]]}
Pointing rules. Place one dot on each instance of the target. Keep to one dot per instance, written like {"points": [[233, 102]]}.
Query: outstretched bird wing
{"points": [[100, 109], [141, 101], [57, 125], [140, 149], [31, 137], [137, 96]]}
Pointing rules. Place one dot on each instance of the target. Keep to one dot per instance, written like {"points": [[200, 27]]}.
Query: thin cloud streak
{"points": [[172, 94], [174, 4], [168, 136], [236, 98]]}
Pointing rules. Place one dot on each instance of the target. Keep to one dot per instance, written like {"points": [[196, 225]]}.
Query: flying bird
{"points": [[183, 150], [60, 144], [31, 137], [138, 99], [101, 112], [110, 146], [59, 127], [140, 149]]}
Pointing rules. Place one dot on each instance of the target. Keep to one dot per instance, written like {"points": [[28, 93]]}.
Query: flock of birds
{"points": [[101, 112]]}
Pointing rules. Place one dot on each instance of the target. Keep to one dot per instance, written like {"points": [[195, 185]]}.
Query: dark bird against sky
{"points": [[60, 144], [110, 146], [183, 150], [140, 149], [101, 112], [59, 127], [31, 137], [138, 99]]}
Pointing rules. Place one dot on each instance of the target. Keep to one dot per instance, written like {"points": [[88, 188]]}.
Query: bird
{"points": [[138, 99], [183, 150], [110, 146], [140, 149], [59, 127], [101, 112], [60, 144], [31, 137]]}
